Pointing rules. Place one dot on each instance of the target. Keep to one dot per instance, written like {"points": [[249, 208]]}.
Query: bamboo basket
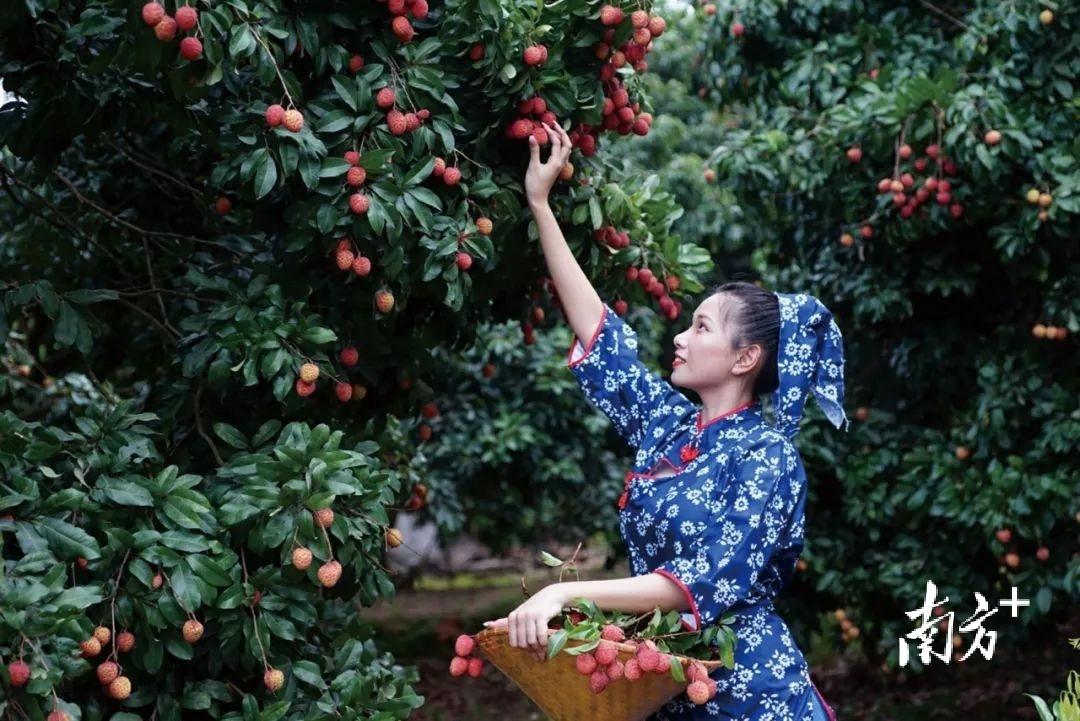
{"points": [[563, 694]]}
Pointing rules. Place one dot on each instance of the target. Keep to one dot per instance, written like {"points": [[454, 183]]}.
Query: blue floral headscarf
{"points": [[809, 358]]}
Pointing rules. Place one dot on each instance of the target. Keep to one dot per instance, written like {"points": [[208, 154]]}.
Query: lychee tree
{"points": [[215, 215], [915, 167]]}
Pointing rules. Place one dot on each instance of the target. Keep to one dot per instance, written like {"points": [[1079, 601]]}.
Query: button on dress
{"points": [[717, 506]]}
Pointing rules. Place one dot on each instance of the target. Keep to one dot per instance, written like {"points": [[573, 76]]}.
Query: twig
{"points": [[167, 331], [202, 431], [944, 14], [273, 62]]}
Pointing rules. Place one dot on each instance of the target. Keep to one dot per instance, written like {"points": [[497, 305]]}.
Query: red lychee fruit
{"points": [[1042, 553], [611, 632], [90, 647], [358, 204], [107, 672], [165, 29], [611, 15], [156, 581], [854, 154], [192, 630], [464, 645], [452, 175], [631, 670], [344, 259], [598, 681], [606, 652], [222, 206], [992, 137], [152, 13], [1003, 535], [476, 667], [19, 673], [385, 98], [647, 659], [329, 573], [384, 300], [352, 157], [324, 517], [737, 29], [102, 634], [273, 679], [349, 356], [275, 114], [190, 48], [343, 391], [476, 52], [293, 120], [301, 558], [484, 225], [303, 388], [355, 176], [459, 666], [698, 691], [186, 17], [585, 664], [439, 167], [533, 55], [361, 266], [402, 28], [356, 63], [120, 688], [395, 121], [464, 260]]}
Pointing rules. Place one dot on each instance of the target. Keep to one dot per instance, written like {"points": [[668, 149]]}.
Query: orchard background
{"points": [[177, 249]]}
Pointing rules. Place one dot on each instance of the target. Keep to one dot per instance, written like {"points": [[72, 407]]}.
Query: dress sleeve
{"points": [[753, 533], [616, 381]]}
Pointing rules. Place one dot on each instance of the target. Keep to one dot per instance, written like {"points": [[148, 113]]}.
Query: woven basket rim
{"points": [[684, 660]]}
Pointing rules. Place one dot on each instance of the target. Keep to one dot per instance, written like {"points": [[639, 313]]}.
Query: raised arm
{"points": [[580, 302]]}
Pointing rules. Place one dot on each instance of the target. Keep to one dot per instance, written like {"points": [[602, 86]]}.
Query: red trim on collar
{"points": [[570, 363], [725, 414], [686, 591]]}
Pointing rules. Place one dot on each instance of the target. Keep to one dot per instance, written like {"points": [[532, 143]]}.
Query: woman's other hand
{"points": [[541, 176], [528, 623]]}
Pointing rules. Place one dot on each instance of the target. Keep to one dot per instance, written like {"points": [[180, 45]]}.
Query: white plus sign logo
{"points": [[1014, 603]]}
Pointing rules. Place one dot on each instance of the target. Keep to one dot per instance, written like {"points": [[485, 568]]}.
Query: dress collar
{"points": [[734, 415], [703, 434]]}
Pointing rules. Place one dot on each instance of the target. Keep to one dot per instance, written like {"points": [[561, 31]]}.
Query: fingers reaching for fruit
{"points": [[541, 176]]}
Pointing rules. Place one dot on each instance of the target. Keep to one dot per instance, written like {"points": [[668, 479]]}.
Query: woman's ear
{"points": [[747, 359]]}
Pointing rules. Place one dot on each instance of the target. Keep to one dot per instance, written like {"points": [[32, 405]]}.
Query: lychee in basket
{"points": [[556, 686]]}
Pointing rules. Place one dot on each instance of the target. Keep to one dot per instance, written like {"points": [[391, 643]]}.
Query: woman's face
{"points": [[704, 356]]}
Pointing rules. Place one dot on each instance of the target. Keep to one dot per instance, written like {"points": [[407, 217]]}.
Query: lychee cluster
{"points": [[109, 673], [1042, 200], [450, 175], [1049, 332], [349, 259], [418, 498], [291, 119], [848, 629], [535, 55], [658, 289], [397, 122], [620, 115], [464, 662], [166, 26], [532, 114], [403, 29], [301, 557], [1011, 559], [355, 177], [609, 236], [602, 665], [908, 191]]}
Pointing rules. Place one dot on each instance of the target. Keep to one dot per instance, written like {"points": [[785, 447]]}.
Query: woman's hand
{"points": [[541, 176], [528, 623]]}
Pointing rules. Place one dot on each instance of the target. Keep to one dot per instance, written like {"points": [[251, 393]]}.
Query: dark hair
{"points": [[755, 318]]}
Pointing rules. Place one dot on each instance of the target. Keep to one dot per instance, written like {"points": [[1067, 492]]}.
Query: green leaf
{"points": [[556, 642], [230, 435], [335, 121], [67, 541], [125, 493], [85, 295], [319, 336], [209, 570], [265, 176]]}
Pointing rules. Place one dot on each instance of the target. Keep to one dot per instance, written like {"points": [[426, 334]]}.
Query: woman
{"points": [[712, 511]]}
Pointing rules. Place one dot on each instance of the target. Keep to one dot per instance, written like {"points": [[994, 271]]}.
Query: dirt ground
{"points": [[420, 624]]}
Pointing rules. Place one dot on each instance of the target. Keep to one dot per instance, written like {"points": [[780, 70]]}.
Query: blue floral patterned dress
{"points": [[717, 506]]}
